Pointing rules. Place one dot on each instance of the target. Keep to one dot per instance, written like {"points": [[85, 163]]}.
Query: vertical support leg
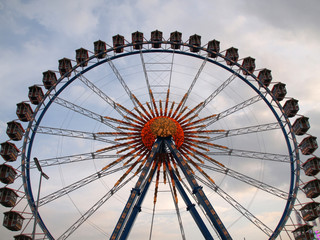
{"points": [[197, 190], [191, 208], [135, 191], [137, 208]]}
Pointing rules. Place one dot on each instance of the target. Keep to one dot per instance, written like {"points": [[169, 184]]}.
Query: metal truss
{"points": [[245, 212], [101, 94], [73, 158], [246, 130], [246, 179], [218, 90], [252, 154], [123, 83], [146, 76], [92, 210], [81, 183], [72, 133], [85, 112], [236, 108], [290, 197], [194, 82]]}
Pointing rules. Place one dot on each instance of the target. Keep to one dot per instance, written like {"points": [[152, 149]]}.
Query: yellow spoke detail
{"points": [[203, 131], [117, 133], [194, 127], [194, 136], [122, 122], [191, 111], [141, 106], [167, 102], [184, 149], [150, 109], [179, 106], [154, 103], [197, 146], [171, 109], [127, 138], [137, 146], [129, 112], [116, 161], [129, 129], [199, 121], [183, 110], [160, 106]]}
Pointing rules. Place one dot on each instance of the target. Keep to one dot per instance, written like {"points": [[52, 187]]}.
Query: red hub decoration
{"points": [[162, 127]]}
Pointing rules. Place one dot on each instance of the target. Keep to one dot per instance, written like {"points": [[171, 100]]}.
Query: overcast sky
{"points": [[282, 35]]}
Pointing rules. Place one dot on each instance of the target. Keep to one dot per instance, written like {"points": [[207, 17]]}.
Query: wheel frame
{"points": [[286, 129]]}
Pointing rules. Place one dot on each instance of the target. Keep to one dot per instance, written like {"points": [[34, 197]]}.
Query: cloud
{"points": [[70, 18], [282, 36], [291, 16]]}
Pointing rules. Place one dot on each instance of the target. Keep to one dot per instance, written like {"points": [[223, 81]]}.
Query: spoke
{"points": [[152, 219], [92, 210], [245, 212], [252, 154], [171, 68], [218, 90], [123, 83], [245, 130], [194, 81], [235, 108], [84, 112], [177, 210], [76, 185], [72, 133], [101, 94], [73, 158], [146, 76], [169, 86], [248, 180]]}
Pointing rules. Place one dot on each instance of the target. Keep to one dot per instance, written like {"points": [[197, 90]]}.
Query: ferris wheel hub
{"points": [[162, 127]]}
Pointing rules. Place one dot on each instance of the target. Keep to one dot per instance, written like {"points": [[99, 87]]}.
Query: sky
{"points": [[281, 35]]}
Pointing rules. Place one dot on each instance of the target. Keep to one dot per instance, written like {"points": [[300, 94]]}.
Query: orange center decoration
{"points": [[162, 127]]}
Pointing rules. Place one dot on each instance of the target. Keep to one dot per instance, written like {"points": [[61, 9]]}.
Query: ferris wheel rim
{"points": [[26, 158]]}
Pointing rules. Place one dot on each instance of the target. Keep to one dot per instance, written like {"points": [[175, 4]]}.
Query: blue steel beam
{"points": [[191, 208], [135, 192], [197, 190], [137, 208]]}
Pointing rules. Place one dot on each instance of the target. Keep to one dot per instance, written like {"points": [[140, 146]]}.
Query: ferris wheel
{"points": [[159, 139]]}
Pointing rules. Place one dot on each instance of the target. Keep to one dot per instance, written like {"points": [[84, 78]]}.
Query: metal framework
{"points": [[165, 136], [213, 119]]}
